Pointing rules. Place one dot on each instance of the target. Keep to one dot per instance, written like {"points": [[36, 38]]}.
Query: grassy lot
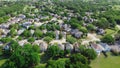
{"points": [[109, 62]]}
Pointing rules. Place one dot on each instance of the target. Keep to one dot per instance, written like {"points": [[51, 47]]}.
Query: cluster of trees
{"points": [[21, 57], [38, 33], [4, 19], [80, 59], [71, 39], [9, 9], [51, 26], [108, 39], [6, 39], [28, 56]]}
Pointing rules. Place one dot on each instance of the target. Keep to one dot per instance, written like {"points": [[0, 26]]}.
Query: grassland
{"points": [[109, 62]]}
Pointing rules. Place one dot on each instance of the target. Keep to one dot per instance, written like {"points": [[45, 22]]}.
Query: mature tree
{"points": [[91, 27], [71, 39], [103, 23], [26, 33], [108, 39], [50, 34], [15, 26], [90, 54], [55, 64], [5, 39], [48, 39], [51, 64], [13, 32], [38, 33], [9, 64], [78, 58], [82, 49], [53, 51], [77, 61], [31, 39], [23, 57], [36, 48], [84, 30]]}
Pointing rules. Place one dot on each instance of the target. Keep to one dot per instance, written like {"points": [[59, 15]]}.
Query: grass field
{"points": [[109, 62]]}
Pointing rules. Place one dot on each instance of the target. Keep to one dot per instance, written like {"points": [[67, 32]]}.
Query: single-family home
{"points": [[43, 46], [22, 16], [68, 46], [61, 46], [105, 46], [20, 31], [22, 42], [26, 24], [100, 31], [76, 33], [97, 48], [66, 27]]}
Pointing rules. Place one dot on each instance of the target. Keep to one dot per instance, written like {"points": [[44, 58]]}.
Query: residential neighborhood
{"points": [[59, 33]]}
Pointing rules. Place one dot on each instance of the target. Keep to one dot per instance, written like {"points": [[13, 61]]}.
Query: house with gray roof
{"points": [[105, 46], [76, 33]]}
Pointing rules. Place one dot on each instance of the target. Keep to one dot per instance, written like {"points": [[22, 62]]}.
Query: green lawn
{"points": [[109, 62], [2, 61], [109, 31]]}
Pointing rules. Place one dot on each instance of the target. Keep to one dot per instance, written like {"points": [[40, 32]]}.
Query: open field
{"points": [[109, 62]]}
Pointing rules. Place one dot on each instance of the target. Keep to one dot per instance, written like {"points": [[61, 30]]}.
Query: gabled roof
{"points": [[96, 47]]}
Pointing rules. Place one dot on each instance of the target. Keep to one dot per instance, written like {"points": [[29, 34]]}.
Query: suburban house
{"points": [[68, 46], [97, 48], [43, 46], [22, 16], [105, 46], [61, 46], [100, 31], [66, 27], [76, 33], [20, 31], [26, 25], [22, 42]]}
